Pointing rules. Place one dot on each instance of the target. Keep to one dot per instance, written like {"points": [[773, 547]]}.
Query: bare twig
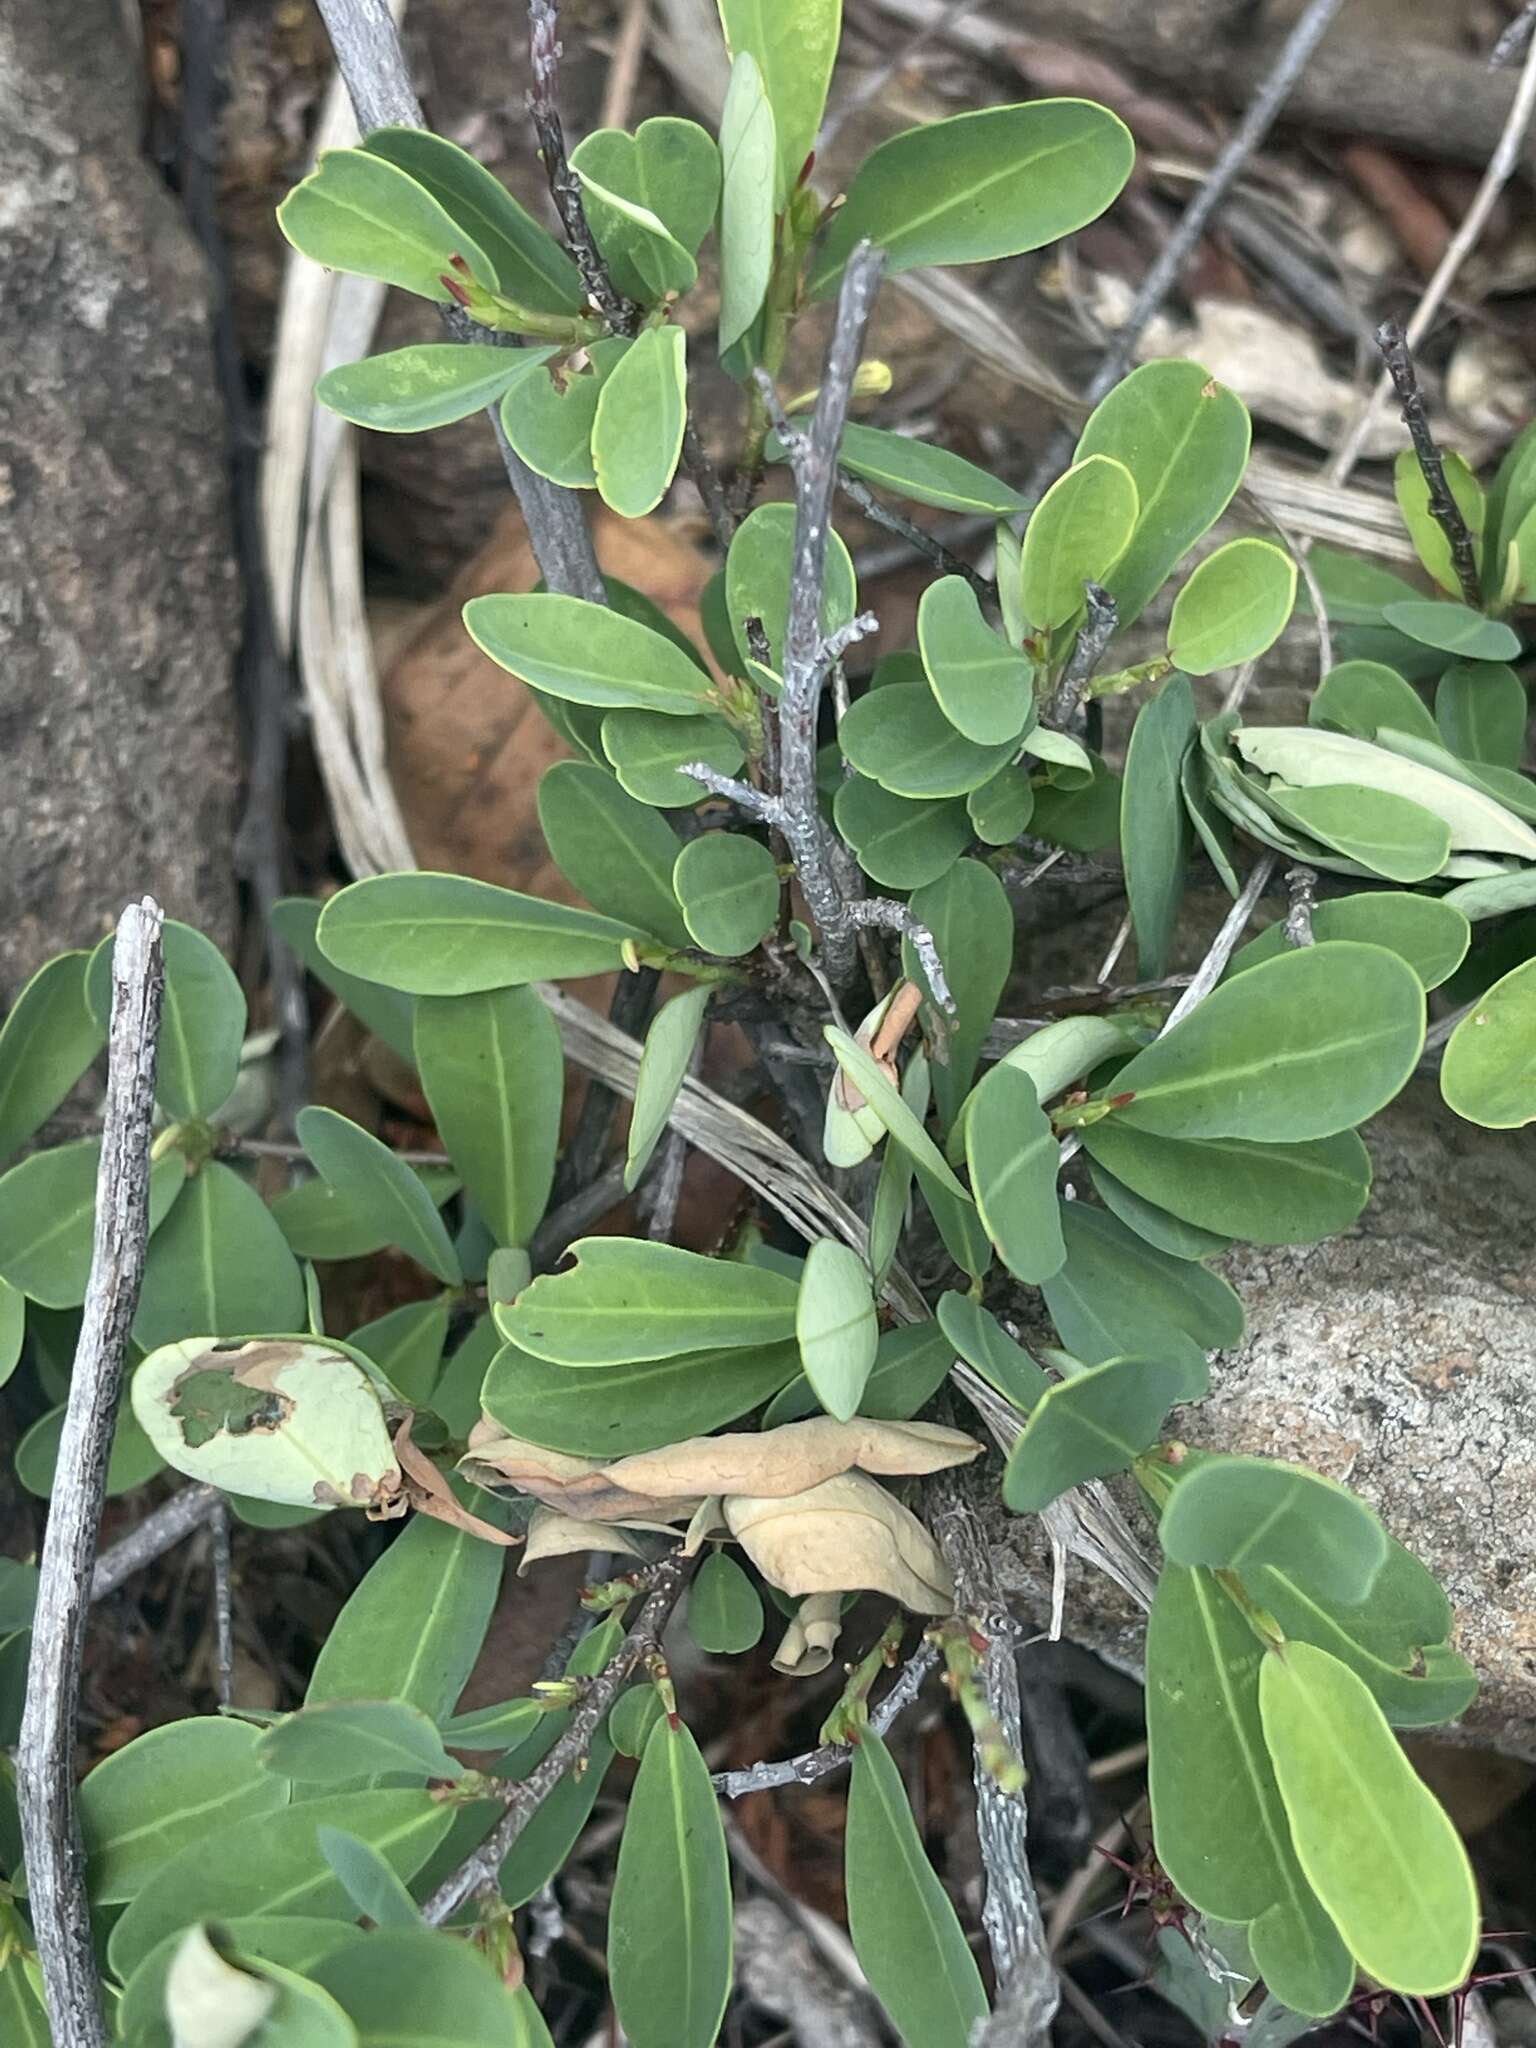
{"points": [[1093, 638], [706, 481], [813, 1764], [1301, 881], [575, 1217], [1443, 508], [1290, 61], [523, 1796], [371, 61], [1225, 943], [186, 1510], [222, 1567], [896, 917], [622, 315], [928, 545], [1515, 40], [45, 1759], [757, 803]]}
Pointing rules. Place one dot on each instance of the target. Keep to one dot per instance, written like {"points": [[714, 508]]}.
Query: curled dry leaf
{"points": [[847, 1535], [428, 1492], [805, 1649], [708, 1520], [576, 1486], [551, 1534]]}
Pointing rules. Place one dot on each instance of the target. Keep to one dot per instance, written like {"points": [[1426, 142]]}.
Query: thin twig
{"points": [[1443, 508], [45, 1759], [1290, 61], [187, 1509], [1515, 40], [1225, 943], [575, 1218], [222, 1567], [928, 545], [523, 1796], [1301, 881], [622, 314], [813, 1764], [1093, 638], [890, 916], [624, 66]]}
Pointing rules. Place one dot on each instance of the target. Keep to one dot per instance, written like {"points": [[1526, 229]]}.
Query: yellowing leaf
{"points": [[844, 1536]]}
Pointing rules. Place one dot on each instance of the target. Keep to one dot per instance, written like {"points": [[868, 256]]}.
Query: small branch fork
{"points": [[622, 315], [1093, 639], [1443, 508], [45, 1758], [813, 1764]]}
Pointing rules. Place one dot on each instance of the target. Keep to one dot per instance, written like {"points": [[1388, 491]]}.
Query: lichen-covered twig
{"points": [[621, 314], [1443, 508], [1093, 638]]}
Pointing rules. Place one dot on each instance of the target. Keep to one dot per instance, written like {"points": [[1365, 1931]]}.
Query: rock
{"points": [[119, 605]]}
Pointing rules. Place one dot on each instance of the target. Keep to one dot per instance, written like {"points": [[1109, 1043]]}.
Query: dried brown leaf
{"points": [[805, 1649], [847, 1535]]}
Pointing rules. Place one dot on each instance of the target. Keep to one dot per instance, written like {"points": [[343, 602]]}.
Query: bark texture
{"points": [[119, 604]]}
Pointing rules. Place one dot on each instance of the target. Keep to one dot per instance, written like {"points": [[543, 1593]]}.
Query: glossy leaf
{"points": [[380, 1185], [1454, 629], [493, 1073], [1184, 438], [971, 919], [1076, 534], [1154, 831], [728, 887], [1218, 1824], [202, 1020], [633, 1715], [992, 183], [1302, 1046], [431, 384], [626, 1299], [586, 653], [669, 1045], [1388, 835], [423, 1988], [1480, 710], [901, 738], [725, 1611], [637, 432], [905, 1932], [615, 1410], [1426, 931], [360, 214], [1424, 530], [669, 1921], [901, 842], [49, 1038], [1488, 1074], [371, 1885], [794, 43], [332, 1742], [984, 687], [1236, 1512], [1264, 1194], [219, 1266], [646, 749], [986, 1346], [1086, 1427], [47, 1215], [1376, 1846], [529, 264], [549, 410], [835, 1326], [1234, 606], [1159, 1227], [670, 170], [1014, 1159], [927, 475], [445, 935], [748, 163], [757, 576]]}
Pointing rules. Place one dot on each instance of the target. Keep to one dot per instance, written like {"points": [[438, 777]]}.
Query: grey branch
{"points": [[50, 1821], [1443, 508], [372, 64], [1225, 943], [926, 544], [565, 187], [812, 1764], [175, 1518], [896, 917], [1093, 638], [755, 802], [1515, 40], [1301, 881]]}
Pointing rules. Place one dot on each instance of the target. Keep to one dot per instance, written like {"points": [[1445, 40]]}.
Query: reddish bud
{"points": [[455, 289], [459, 263], [806, 168], [1120, 1101]]}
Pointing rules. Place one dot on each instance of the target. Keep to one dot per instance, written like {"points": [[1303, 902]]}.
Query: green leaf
{"points": [[981, 185], [1375, 1844], [1013, 1159], [1086, 1427], [984, 687], [422, 1988], [1061, 1053], [1510, 500], [906, 1935], [1302, 1046], [268, 1865], [650, 201], [586, 653], [289, 1942], [1488, 1074], [1002, 808], [447, 1582], [406, 1344], [1184, 438], [725, 1610], [380, 1186], [1426, 931], [1454, 629], [337, 1740], [669, 1045], [132, 1462], [1217, 1821], [835, 1326], [18, 1595], [529, 264], [1234, 606], [22, 2017], [548, 410], [1390, 835], [1424, 530], [445, 935], [387, 1015], [320, 1224], [971, 919], [925, 474], [646, 749], [669, 1922], [1237, 1512], [625, 1299], [1480, 711], [911, 1364], [149, 1800], [986, 1346], [1359, 696], [728, 887], [614, 849], [220, 1266], [202, 1020], [901, 738], [748, 159], [360, 214], [1154, 831], [493, 1073], [1116, 1294], [1263, 1194], [757, 575], [49, 1038], [901, 843], [637, 432], [371, 1885], [1081, 819], [501, 1727], [1156, 1226], [632, 1717], [795, 44], [1076, 534], [545, 1845], [907, 1130], [614, 1411], [47, 1216], [431, 384]]}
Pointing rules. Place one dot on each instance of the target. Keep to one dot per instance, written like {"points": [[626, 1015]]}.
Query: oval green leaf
{"points": [[362, 215], [338, 1740], [1076, 534], [49, 1038], [637, 432], [220, 1266], [925, 474], [664, 1062], [836, 1326], [1236, 1512], [1454, 629], [202, 1020], [901, 842], [725, 1610], [748, 162], [625, 1300], [1427, 932], [380, 1186], [1234, 607], [1488, 1074], [493, 1072], [1480, 711], [728, 887], [431, 384], [1014, 1159], [1154, 829], [47, 1217], [614, 1411], [984, 687], [901, 738], [1098, 1422], [795, 44], [422, 1988], [586, 653], [647, 749], [1264, 1194]]}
